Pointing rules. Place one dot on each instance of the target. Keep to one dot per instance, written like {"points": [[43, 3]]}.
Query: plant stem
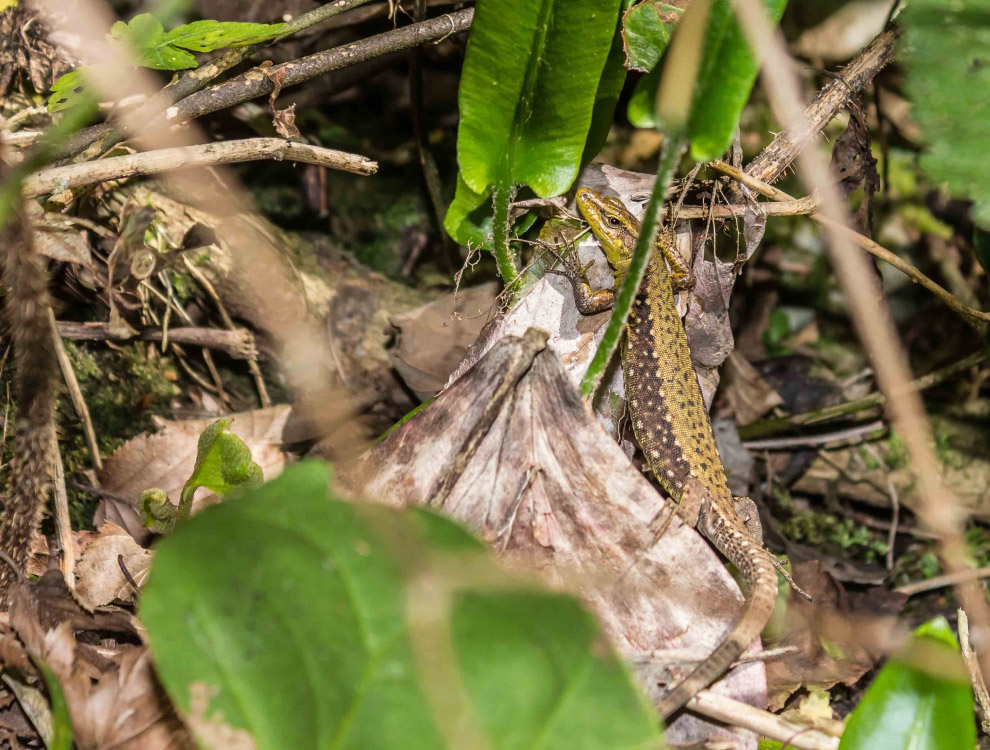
{"points": [[502, 197], [670, 154]]}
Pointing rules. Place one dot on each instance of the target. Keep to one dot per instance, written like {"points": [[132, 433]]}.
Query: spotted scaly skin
{"points": [[673, 429]]}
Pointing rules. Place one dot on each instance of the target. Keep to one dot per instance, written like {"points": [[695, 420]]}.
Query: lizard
{"points": [[672, 426]]}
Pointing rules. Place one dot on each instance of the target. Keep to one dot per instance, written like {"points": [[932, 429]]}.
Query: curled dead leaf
{"points": [[114, 702], [104, 556]]}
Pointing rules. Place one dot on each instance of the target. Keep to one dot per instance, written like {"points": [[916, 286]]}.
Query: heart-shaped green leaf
{"points": [[292, 619]]}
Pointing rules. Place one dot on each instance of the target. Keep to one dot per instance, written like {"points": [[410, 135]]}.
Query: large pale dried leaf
{"points": [[99, 577], [166, 459], [65, 245], [113, 702], [549, 305], [512, 451]]}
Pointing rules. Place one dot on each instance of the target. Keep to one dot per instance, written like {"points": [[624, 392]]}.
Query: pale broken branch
{"points": [[184, 157], [238, 343], [976, 318], [764, 723]]}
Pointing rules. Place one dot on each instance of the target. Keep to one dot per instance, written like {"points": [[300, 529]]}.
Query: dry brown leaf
{"points": [[99, 577], [433, 338], [284, 121], [549, 305], [13, 718], [749, 396], [65, 245], [166, 459], [824, 659], [512, 451], [113, 702]]}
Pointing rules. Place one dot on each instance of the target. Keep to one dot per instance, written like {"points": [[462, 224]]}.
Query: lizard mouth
{"points": [[585, 199]]}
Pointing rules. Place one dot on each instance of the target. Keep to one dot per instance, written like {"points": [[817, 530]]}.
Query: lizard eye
{"points": [[613, 221]]}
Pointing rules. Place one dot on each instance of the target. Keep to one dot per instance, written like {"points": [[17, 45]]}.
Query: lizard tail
{"points": [[760, 604]]}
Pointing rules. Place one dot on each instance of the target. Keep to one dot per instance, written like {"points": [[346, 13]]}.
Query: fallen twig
{"points": [[238, 343], [847, 435], [63, 523], [764, 723], [976, 318], [182, 157], [776, 424], [75, 393], [939, 582], [796, 207]]}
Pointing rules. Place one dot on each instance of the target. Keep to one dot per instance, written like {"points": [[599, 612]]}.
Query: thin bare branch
{"points": [[976, 318], [254, 83], [764, 723], [183, 157], [238, 343], [75, 393], [772, 162]]}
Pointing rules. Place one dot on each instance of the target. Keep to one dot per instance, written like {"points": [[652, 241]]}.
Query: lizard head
{"points": [[613, 226]]}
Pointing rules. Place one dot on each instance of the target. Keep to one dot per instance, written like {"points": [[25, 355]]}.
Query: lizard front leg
{"points": [[588, 301]]}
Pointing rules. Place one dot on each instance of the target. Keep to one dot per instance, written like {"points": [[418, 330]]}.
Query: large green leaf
{"points": [[646, 31], [531, 82], [728, 72], [607, 96], [144, 37], [156, 48], [724, 85], [528, 87], [946, 48], [921, 700], [207, 36], [284, 619]]}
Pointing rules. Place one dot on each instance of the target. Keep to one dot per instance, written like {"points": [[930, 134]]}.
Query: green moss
{"points": [[897, 455], [917, 564], [921, 561], [123, 389], [839, 535], [183, 285]]}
